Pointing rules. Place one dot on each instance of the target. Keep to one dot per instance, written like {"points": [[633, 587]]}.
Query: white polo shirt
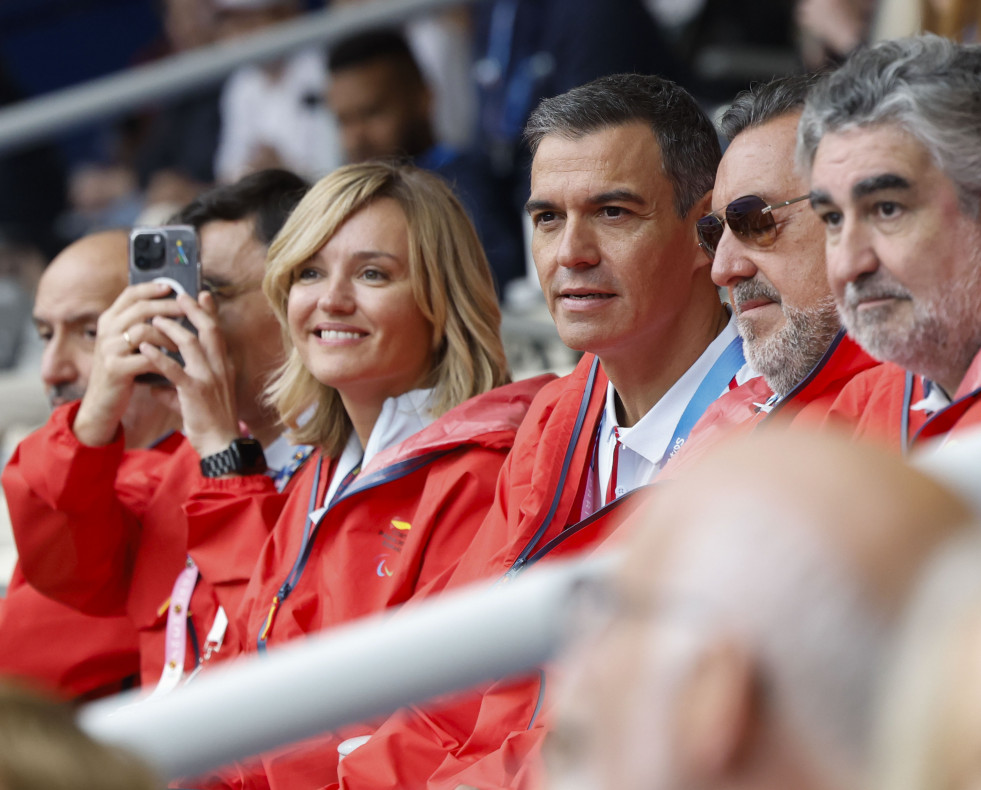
{"points": [[646, 444]]}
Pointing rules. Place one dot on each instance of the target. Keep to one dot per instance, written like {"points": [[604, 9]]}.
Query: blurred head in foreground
{"points": [[42, 748], [929, 724], [741, 642]]}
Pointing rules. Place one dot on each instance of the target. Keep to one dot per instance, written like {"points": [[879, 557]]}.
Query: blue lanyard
{"points": [[904, 436], [715, 381], [282, 478], [311, 526]]}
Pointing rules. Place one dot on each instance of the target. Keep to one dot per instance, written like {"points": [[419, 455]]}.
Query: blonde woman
{"points": [[387, 301], [393, 375], [391, 326]]}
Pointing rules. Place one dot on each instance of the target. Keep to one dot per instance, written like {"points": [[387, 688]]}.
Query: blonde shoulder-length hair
{"points": [[451, 283]]}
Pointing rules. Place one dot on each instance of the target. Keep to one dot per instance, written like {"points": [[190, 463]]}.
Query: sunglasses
{"points": [[749, 217]]}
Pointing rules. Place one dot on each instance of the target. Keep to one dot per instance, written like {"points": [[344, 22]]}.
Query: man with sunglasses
{"points": [[111, 543], [765, 243], [767, 248], [622, 168], [892, 141]]}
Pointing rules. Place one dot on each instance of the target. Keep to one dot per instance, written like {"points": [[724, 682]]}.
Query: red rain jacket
{"points": [[101, 529], [406, 518], [61, 650]]}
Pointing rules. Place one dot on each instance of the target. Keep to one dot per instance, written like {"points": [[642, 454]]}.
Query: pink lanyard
{"points": [[176, 636]]}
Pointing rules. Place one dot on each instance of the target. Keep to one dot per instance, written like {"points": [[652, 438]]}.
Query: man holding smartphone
{"points": [[109, 544], [74, 655]]}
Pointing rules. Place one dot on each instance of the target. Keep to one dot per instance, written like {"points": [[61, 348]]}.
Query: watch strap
{"points": [[243, 456]]}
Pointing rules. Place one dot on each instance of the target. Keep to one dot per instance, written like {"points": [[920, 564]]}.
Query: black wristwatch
{"points": [[242, 457]]}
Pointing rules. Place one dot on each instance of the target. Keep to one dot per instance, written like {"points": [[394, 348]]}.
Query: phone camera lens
{"points": [[150, 251]]}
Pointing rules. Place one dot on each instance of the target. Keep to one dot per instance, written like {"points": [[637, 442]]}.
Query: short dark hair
{"points": [[766, 101], [267, 196], [689, 145], [374, 45]]}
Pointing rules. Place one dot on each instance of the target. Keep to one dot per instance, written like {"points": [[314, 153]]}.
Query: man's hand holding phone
{"points": [[168, 255], [116, 364], [206, 381]]}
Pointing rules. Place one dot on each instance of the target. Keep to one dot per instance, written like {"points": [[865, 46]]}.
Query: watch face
{"points": [[250, 456]]}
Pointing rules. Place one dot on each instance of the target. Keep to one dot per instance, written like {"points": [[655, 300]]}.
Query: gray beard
{"points": [[786, 357], [943, 339]]}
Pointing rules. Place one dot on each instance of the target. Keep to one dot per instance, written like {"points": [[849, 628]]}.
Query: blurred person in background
{"points": [[442, 45], [742, 641], [381, 100], [272, 114], [383, 106]]}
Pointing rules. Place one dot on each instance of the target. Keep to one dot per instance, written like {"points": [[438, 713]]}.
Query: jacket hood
{"points": [[487, 420]]}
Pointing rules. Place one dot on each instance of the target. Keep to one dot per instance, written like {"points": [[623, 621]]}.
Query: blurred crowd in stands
{"points": [[759, 229], [460, 88]]}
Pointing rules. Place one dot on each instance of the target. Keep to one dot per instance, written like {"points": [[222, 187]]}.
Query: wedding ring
{"points": [[129, 341]]}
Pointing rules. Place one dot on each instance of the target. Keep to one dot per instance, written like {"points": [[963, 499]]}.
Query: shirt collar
{"points": [[650, 435], [400, 418], [934, 397]]}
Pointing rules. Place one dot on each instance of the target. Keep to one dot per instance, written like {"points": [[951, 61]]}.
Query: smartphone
{"points": [[167, 254]]}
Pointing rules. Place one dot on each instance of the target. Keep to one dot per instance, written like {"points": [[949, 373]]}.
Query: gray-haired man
{"points": [[893, 143]]}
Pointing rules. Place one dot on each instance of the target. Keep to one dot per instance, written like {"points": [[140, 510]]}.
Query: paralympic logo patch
{"points": [[393, 538]]}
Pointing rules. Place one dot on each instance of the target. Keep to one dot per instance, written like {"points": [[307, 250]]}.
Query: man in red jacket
{"points": [[767, 248], [109, 540], [776, 275], [49, 643], [892, 143], [623, 166], [765, 244]]}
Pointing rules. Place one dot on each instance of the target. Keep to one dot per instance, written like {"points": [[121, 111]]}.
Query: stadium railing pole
{"points": [[351, 674], [36, 119]]}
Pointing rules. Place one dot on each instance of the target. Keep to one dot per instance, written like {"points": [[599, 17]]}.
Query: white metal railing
{"points": [[350, 674], [34, 119]]}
